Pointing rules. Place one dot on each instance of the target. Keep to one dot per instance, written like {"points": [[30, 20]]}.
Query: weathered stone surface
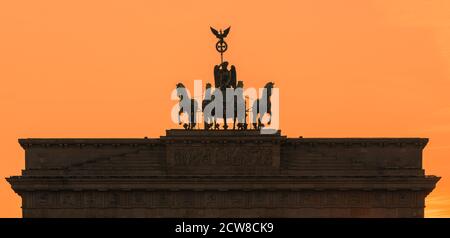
{"points": [[223, 174]]}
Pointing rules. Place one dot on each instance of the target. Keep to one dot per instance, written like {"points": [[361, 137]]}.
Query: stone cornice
{"points": [[134, 142], [426, 183], [81, 142], [354, 142]]}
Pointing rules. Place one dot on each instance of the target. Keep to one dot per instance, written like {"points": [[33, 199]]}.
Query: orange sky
{"points": [[348, 68]]}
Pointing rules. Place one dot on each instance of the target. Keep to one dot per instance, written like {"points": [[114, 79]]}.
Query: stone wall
{"points": [[223, 174]]}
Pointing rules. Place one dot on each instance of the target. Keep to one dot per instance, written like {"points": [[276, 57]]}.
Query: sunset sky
{"points": [[106, 68]]}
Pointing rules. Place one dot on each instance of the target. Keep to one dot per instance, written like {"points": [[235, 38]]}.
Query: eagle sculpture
{"points": [[219, 34]]}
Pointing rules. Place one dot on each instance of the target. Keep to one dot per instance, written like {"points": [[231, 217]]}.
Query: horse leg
{"points": [[216, 125], [255, 110], [191, 121], [179, 116], [254, 120], [207, 123], [225, 125]]}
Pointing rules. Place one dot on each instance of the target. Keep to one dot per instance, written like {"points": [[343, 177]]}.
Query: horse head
{"points": [[180, 85], [181, 90], [269, 85]]}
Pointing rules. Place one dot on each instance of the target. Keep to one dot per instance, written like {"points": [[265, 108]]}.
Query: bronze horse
{"points": [[262, 106], [191, 112], [209, 118]]}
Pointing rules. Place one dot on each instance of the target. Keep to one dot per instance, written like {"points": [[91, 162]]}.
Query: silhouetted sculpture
{"points": [[191, 112], [262, 106], [224, 79], [239, 102], [221, 45], [219, 34], [208, 116]]}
